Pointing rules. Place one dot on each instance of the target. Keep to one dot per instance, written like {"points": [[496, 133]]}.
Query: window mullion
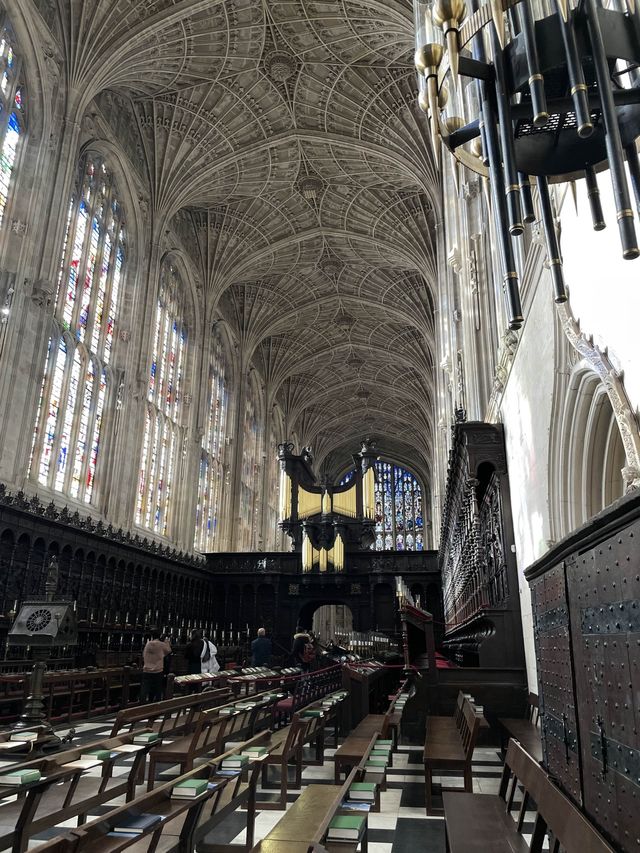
{"points": [[62, 412]]}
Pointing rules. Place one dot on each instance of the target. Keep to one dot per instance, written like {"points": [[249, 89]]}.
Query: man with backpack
{"points": [[302, 651]]}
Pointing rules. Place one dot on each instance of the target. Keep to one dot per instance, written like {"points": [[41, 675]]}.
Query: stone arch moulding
{"points": [[625, 417]]}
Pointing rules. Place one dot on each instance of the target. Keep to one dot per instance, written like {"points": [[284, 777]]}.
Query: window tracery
{"points": [[12, 112], [272, 539], [162, 428], [250, 471], [77, 376], [211, 476], [399, 522]]}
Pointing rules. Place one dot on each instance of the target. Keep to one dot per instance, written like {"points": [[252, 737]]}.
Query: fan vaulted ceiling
{"points": [[283, 139]]}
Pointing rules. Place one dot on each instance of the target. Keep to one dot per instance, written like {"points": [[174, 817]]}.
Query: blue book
{"points": [[136, 824]]}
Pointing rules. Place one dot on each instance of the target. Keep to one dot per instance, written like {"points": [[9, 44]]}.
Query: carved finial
{"points": [[51, 583]]}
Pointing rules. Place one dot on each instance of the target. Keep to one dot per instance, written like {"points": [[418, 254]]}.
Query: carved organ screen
{"points": [[77, 387]]}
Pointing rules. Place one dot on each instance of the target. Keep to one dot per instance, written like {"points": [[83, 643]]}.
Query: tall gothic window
{"points": [[272, 538], [162, 430], [76, 390], [399, 519], [250, 474], [12, 110], [211, 480]]}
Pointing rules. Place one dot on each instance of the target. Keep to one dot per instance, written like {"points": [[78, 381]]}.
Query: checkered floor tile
{"points": [[401, 825]]}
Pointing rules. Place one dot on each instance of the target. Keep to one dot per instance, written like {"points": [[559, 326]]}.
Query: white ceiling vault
{"points": [[286, 133]]}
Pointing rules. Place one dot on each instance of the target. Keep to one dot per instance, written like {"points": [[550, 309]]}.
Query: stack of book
{"points": [[189, 788], [254, 751], [20, 777], [17, 740], [99, 754], [235, 762], [374, 769], [364, 791], [146, 737], [346, 828]]}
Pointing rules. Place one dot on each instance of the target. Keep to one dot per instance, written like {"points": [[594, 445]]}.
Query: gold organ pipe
{"points": [[285, 495], [309, 503], [369, 494], [325, 556], [307, 554], [338, 553], [344, 503]]}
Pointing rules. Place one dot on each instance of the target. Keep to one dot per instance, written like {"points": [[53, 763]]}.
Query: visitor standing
{"points": [[208, 660], [193, 653], [261, 649], [153, 656], [302, 651]]}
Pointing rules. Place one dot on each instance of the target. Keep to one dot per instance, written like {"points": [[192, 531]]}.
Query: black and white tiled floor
{"points": [[401, 826]]}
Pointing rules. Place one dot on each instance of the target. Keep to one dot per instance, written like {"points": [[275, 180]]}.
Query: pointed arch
{"points": [[586, 452]]}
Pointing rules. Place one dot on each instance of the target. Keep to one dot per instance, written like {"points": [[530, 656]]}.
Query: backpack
{"points": [[206, 652], [308, 653]]}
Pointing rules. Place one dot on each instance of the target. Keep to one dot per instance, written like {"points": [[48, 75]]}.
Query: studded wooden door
{"points": [[604, 609], [555, 674]]}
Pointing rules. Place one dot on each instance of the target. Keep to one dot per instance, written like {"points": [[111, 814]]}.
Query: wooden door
{"points": [[604, 605]]}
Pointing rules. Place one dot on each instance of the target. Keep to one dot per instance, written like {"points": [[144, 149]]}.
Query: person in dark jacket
{"points": [[260, 649], [300, 640], [193, 653]]}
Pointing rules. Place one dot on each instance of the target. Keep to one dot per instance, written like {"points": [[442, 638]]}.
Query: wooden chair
{"points": [[483, 823], [304, 826], [207, 739], [451, 754], [284, 747], [527, 730], [170, 716], [65, 792]]}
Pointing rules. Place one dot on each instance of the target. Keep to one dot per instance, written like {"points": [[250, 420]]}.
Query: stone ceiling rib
{"points": [[282, 142]]}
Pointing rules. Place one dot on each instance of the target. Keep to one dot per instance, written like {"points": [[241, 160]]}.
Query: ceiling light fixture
{"points": [[544, 89]]}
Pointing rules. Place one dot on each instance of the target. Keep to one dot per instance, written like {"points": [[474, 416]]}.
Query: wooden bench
{"points": [[64, 792], [527, 730], [355, 746], [483, 823], [186, 822], [170, 716], [453, 753], [285, 746], [213, 730], [308, 688], [306, 823]]}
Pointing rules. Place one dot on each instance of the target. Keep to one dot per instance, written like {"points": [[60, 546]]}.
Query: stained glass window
{"points": [[399, 520], [76, 382], [162, 431], [250, 479], [211, 479], [12, 109], [273, 538]]}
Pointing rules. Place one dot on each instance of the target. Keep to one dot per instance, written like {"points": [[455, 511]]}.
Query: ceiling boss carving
{"points": [[288, 135]]}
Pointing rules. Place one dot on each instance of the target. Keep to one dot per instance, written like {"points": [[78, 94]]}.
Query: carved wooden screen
{"points": [[604, 603], [555, 673]]}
